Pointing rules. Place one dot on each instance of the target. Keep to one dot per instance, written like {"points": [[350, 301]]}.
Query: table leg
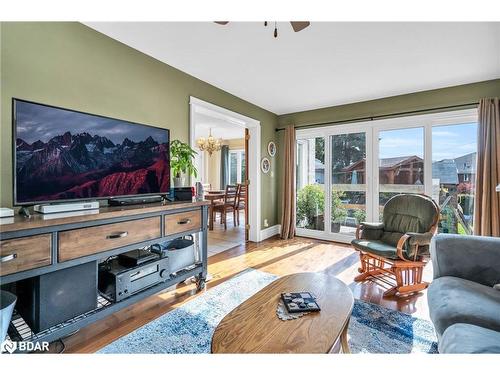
{"points": [[211, 221], [343, 340]]}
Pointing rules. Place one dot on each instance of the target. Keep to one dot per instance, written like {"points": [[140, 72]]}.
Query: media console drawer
{"points": [[21, 254], [183, 222], [77, 243]]}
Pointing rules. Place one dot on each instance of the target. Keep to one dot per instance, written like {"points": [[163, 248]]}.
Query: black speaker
{"points": [[182, 193], [47, 300]]}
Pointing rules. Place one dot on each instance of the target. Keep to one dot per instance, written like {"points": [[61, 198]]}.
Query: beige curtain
{"points": [[487, 201], [288, 195]]}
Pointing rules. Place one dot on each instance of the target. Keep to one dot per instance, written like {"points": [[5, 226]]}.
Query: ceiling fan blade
{"points": [[221, 22], [299, 25]]}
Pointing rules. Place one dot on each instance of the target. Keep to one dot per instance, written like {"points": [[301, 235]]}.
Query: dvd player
{"points": [[117, 282]]}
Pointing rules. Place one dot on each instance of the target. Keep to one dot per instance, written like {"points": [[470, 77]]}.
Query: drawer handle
{"points": [[117, 235], [8, 258], [184, 221]]}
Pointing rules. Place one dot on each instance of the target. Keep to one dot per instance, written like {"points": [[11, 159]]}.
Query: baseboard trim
{"points": [[269, 232]]}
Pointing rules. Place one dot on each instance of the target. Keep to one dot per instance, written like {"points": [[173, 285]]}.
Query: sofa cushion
{"points": [[464, 338], [453, 300]]}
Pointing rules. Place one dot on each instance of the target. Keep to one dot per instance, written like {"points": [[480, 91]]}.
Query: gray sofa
{"points": [[464, 307]]}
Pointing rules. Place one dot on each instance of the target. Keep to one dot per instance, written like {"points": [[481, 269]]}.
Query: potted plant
{"points": [[310, 207], [181, 162], [338, 213]]}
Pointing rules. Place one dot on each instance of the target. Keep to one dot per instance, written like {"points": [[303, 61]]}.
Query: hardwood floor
{"points": [[220, 239], [273, 256]]}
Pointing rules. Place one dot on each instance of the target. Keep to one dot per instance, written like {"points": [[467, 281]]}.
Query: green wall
{"points": [[72, 66], [448, 96]]}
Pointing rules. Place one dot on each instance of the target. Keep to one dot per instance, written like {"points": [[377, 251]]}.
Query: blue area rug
{"points": [[189, 328]]}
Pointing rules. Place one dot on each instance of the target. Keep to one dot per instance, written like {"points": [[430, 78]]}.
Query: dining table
{"points": [[213, 196]]}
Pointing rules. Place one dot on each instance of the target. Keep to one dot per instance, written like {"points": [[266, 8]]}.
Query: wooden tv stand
{"points": [[46, 243]]}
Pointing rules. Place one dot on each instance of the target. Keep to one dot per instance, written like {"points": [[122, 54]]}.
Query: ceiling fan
{"points": [[296, 25]]}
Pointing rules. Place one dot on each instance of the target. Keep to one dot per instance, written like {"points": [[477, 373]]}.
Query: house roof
{"points": [[446, 171], [385, 162], [466, 163], [392, 162]]}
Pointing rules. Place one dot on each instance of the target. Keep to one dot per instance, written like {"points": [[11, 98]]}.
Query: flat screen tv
{"points": [[64, 155]]}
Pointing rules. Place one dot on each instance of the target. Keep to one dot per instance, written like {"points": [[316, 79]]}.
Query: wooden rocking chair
{"points": [[396, 251]]}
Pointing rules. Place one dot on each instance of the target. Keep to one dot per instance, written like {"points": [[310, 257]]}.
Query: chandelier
{"points": [[209, 144]]}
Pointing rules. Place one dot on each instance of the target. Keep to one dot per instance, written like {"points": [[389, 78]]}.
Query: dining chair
{"points": [[227, 204], [241, 201]]}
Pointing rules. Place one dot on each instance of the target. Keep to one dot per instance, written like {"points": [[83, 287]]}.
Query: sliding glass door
{"points": [[310, 186], [346, 173], [348, 182], [400, 163], [332, 184]]}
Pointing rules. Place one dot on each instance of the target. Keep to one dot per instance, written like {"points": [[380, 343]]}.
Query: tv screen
{"points": [[63, 155]]}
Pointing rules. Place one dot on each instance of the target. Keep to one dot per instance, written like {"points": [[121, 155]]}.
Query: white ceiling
{"points": [[326, 64], [220, 128]]}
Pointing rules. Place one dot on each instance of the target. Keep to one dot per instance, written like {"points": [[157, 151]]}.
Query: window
{"points": [[454, 149], [236, 166], [368, 163], [400, 163], [310, 184], [348, 195]]}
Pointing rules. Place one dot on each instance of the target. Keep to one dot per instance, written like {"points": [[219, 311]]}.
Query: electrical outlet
{"points": [[266, 223]]}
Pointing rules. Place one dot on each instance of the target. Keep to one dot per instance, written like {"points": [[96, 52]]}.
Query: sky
{"points": [[38, 122], [448, 142]]}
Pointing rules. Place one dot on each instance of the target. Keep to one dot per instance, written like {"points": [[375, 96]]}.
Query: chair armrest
{"points": [[369, 231], [368, 225], [473, 258], [420, 239], [410, 242]]}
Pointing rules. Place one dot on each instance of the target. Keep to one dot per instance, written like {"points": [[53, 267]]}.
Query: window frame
{"points": [[372, 129], [239, 153]]}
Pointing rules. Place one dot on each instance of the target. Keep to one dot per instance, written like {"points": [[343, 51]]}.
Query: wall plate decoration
{"points": [[265, 165], [271, 148]]}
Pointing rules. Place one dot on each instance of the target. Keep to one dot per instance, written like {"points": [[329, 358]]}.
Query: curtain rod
{"points": [[371, 118]]}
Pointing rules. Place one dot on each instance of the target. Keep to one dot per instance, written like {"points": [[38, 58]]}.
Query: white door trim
{"points": [[254, 209]]}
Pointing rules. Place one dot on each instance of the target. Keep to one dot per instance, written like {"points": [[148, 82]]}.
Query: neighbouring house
{"points": [[406, 170], [319, 169], [466, 167], [446, 172]]}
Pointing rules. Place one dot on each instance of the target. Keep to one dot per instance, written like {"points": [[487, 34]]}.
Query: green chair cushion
{"points": [[376, 247], [409, 213], [391, 238]]}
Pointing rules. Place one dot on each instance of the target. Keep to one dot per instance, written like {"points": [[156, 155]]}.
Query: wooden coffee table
{"points": [[253, 326]]}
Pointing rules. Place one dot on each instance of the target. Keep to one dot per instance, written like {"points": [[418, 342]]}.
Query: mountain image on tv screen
{"points": [[64, 155]]}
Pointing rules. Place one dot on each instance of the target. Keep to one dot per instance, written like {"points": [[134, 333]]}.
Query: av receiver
{"points": [[117, 281]]}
